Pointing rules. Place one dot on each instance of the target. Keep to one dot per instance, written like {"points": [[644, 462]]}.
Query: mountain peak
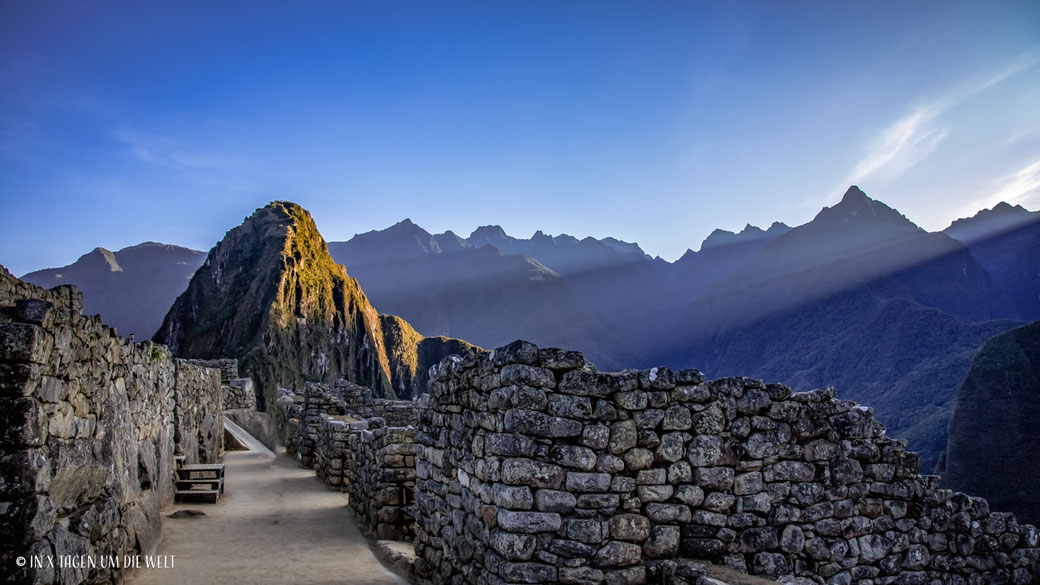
{"points": [[489, 232], [104, 257], [871, 218], [406, 225], [1003, 217], [854, 194], [269, 284], [721, 237]]}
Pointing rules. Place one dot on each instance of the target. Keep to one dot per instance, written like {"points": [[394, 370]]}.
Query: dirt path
{"points": [[276, 523]]}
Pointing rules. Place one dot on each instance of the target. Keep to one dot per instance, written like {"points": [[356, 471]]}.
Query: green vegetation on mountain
{"points": [[410, 355], [270, 295]]}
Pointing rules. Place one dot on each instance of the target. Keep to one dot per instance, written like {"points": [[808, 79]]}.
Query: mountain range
{"points": [[859, 298], [132, 288], [270, 295]]}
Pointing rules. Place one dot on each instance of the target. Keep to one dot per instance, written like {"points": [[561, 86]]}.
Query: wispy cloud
{"points": [[901, 145], [914, 136], [167, 152]]}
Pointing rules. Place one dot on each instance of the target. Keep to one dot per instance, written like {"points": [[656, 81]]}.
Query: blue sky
{"points": [[653, 122]]}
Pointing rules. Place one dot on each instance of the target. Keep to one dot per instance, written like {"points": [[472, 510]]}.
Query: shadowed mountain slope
{"points": [[993, 441], [988, 223], [444, 285], [131, 289], [1012, 258], [860, 299]]}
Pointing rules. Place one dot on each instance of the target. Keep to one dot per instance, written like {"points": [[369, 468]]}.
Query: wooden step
{"points": [[194, 484], [196, 471], [201, 494]]}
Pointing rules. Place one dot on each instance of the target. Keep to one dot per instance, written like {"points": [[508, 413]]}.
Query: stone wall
{"points": [[375, 465], [87, 427], [228, 368], [535, 468], [239, 393], [348, 438], [287, 415], [198, 416], [344, 400]]}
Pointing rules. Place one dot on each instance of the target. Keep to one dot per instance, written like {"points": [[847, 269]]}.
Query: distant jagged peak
{"points": [[857, 210], [408, 226], [854, 195], [721, 237], [489, 232], [102, 256], [495, 235], [449, 242], [623, 246], [1001, 218], [150, 245]]}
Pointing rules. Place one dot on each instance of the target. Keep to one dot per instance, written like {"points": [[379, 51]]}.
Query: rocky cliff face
{"points": [[270, 295], [410, 355], [992, 433]]}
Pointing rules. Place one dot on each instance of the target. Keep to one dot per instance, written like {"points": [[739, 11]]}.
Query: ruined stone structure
{"points": [[524, 465], [346, 436], [228, 368], [239, 393], [304, 412], [534, 468], [375, 465], [89, 423]]}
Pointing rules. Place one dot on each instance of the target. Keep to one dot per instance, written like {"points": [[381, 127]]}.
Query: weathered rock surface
{"points": [[661, 466], [270, 296], [90, 423]]}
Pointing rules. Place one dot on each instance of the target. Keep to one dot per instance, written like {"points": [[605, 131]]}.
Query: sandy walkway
{"points": [[276, 523]]}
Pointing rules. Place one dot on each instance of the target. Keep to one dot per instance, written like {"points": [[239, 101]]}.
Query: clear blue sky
{"points": [[653, 122]]}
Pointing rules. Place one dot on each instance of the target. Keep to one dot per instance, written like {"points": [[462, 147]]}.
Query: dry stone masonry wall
{"points": [[345, 434], [535, 468], [88, 423], [228, 368], [239, 393], [375, 465], [198, 415]]}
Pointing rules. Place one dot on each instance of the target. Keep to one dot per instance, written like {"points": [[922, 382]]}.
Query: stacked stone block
{"points": [[535, 468], [198, 415], [339, 431], [87, 427], [239, 393], [228, 368], [379, 476], [287, 415]]}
